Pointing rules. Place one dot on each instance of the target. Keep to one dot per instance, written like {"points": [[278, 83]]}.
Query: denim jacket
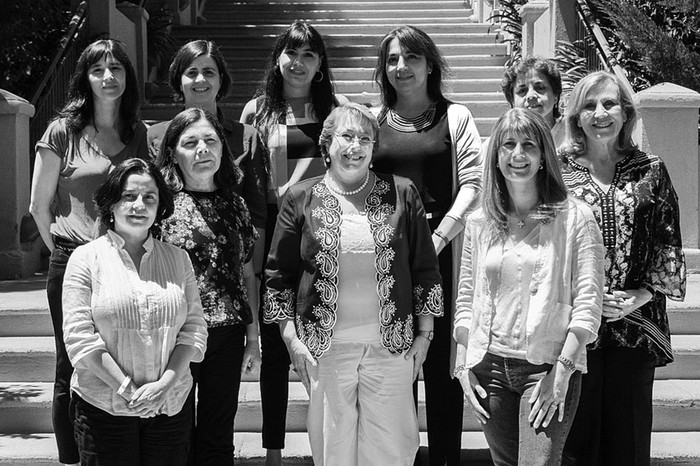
{"points": [[566, 290]]}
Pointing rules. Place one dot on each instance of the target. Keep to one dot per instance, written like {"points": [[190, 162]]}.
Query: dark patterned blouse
{"points": [[639, 218], [216, 231]]}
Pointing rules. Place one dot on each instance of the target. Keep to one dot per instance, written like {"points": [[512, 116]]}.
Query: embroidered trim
{"points": [[431, 305], [279, 305], [410, 125]]}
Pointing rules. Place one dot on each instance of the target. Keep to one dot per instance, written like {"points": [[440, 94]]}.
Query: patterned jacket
{"points": [[302, 268]]}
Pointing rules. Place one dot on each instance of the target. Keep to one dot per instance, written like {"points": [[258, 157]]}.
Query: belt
{"points": [[64, 244]]}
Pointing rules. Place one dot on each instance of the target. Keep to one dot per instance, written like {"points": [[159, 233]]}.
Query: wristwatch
{"points": [[426, 334]]}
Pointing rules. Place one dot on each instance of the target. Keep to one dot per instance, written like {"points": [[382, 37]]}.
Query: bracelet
{"points": [[649, 288], [124, 385], [458, 370], [441, 235], [567, 362]]}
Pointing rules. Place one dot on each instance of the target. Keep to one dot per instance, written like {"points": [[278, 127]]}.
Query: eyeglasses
{"points": [[348, 138]]}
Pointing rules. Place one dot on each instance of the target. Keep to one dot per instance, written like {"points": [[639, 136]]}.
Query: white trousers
{"points": [[361, 410]]}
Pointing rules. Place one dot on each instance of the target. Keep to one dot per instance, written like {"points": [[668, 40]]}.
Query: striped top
{"points": [[136, 317]]}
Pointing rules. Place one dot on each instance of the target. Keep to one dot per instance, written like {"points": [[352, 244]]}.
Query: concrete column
{"points": [[537, 36], [17, 259], [139, 17], [669, 129]]}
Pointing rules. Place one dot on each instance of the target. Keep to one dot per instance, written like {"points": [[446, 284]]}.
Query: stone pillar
{"points": [[537, 36], [139, 17], [17, 259], [669, 129]]}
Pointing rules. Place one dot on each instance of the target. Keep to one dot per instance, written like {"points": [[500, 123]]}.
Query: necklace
{"points": [[334, 187], [411, 125]]}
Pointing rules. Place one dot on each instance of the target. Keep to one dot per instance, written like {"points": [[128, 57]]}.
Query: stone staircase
{"points": [[27, 363], [246, 33], [246, 30]]}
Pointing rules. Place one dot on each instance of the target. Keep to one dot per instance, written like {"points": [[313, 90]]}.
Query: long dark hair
{"points": [[413, 39], [110, 191], [79, 109], [495, 200], [184, 58], [272, 107], [227, 176]]}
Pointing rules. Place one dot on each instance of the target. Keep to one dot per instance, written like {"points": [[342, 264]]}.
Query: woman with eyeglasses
{"points": [[435, 143], [351, 277]]}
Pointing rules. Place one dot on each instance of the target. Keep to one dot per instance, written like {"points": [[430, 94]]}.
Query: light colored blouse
{"points": [[509, 268], [137, 317], [358, 308], [566, 289]]}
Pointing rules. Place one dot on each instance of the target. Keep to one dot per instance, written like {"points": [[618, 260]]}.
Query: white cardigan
{"points": [[566, 288]]}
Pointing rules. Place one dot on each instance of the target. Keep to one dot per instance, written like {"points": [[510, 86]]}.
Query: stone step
{"points": [[329, 7], [367, 50], [26, 407], [284, 20], [667, 448], [227, 37], [329, 28], [401, 16], [32, 359], [347, 73]]}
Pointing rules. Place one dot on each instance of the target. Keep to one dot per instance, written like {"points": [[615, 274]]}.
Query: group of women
{"points": [[528, 277]]}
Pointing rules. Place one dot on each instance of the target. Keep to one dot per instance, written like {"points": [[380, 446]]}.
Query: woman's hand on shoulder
{"points": [[251, 357], [472, 388], [619, 303]]}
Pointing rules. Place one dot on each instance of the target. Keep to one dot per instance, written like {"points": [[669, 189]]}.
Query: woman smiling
{"points": [[351, 275]]}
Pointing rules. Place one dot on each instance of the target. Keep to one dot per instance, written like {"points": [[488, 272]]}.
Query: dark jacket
{"points": [[302, 268]]}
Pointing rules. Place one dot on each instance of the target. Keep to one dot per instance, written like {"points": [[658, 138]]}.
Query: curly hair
{"points": [[545, 67]]}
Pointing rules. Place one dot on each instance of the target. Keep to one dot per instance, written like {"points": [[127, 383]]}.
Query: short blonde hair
{"points": [[359, 112]]}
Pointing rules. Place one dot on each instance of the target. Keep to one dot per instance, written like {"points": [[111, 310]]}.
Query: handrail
{"points": [[51, 91], [67, 40], [604, 58]]}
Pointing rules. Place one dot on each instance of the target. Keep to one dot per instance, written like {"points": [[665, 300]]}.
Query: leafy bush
{"points": [[654, 41], [29, 36]]}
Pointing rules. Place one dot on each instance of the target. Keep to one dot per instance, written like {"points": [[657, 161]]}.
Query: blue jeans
{"points": [[107, 440], [509, 382], [60, 408]]}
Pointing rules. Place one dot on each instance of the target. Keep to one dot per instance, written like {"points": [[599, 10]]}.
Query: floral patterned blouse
{"points": [[639, 218], [216, 231]]}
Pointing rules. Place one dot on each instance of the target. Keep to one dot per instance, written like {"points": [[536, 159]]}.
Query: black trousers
{"points": [[274, 372], [444, 399], [218, 381], [107, 440], [60, 408], [614, 417]]}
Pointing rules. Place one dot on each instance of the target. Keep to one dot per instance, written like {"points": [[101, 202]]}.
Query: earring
{"points": [[371, 165], [111, 218], [542, 166], [327, 160], [319, 79]]}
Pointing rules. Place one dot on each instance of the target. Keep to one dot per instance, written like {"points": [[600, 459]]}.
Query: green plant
{"points": [[571, 64], [30, 35], [654, 41], [510, 23]]}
